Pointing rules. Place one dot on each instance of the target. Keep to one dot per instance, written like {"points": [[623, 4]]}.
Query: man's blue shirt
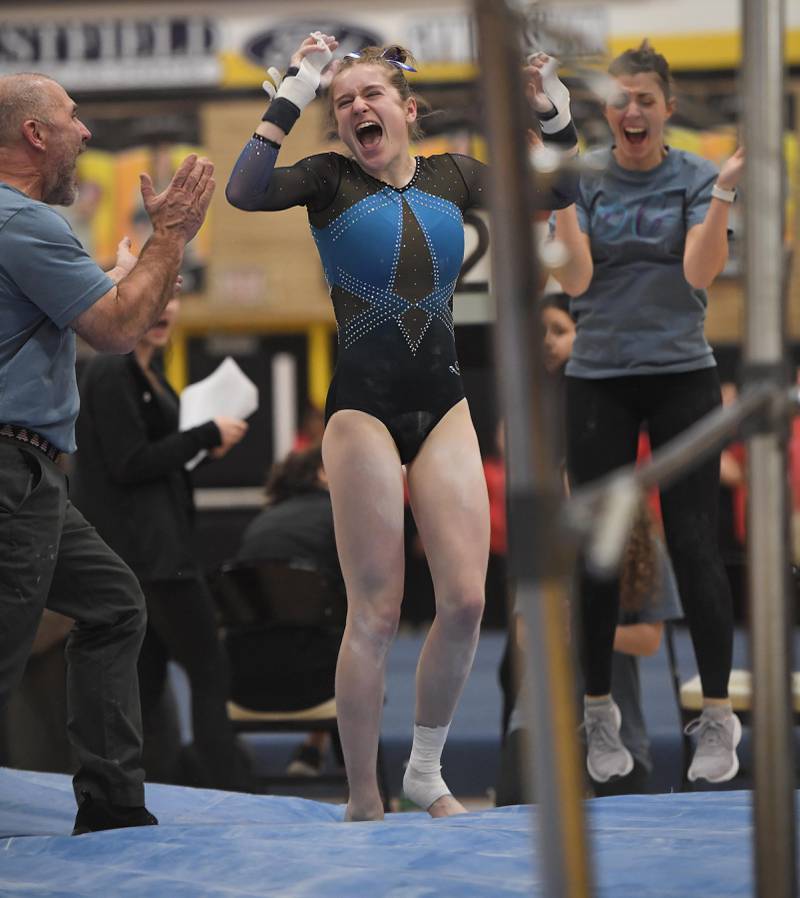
{"points": [[47, 279]]}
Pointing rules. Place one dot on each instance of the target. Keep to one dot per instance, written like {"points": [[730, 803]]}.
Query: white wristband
{"points": [[720, 193]]}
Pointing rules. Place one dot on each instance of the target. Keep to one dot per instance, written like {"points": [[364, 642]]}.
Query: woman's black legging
{"points": [[603, 422]]}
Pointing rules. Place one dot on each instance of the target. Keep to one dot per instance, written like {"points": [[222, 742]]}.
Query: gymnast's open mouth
{"points": [[369, 133]]}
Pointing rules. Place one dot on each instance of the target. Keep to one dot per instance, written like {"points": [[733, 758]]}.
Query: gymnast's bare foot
{"points": [[368, 810], [446, 806]]}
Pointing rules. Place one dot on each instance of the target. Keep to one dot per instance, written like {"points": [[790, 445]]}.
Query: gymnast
{"points": [[389, 231]]}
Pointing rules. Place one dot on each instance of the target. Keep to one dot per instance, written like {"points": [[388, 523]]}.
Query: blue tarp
{"points": [[224, 844]]}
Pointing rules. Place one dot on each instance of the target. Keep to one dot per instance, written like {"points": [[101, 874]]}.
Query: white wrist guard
{"points": [[558, 95], [301, 88]]}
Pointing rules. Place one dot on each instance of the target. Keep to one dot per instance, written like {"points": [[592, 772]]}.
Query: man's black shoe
{"points": [[95, 815]]}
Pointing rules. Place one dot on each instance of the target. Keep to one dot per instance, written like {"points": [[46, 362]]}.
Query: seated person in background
{"points": [[296, 523], [558, 334], [312, 426]]}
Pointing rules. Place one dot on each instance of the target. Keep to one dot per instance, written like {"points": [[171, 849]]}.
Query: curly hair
{"points": [[639, 572]]}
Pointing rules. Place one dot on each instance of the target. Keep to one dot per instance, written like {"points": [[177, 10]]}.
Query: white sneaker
{"points": [[718, 731], [606, 756]]}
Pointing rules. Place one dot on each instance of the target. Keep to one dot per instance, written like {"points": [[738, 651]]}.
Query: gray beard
{"points": [[64, 190]]}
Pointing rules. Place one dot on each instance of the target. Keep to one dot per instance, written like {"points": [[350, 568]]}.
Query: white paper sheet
{"points": [[228, 391]]}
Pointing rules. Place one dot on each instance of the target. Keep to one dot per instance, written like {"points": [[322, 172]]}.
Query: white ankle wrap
{"points": [[422, 781]]}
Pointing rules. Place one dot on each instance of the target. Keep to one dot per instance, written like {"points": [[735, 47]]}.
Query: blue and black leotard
{"points": [[391, 258]]}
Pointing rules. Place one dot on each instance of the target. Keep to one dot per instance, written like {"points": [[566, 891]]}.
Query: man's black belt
{"points": [[30, 438]]}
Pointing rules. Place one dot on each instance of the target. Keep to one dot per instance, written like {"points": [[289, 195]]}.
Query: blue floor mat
{"points": [[224, 844]]}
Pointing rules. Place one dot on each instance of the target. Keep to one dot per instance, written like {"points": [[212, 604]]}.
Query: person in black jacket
{"points": [[130, 481]]}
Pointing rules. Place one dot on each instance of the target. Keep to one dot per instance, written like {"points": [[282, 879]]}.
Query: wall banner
{"points": [[115, 53], [134, 52], [167, 49]]}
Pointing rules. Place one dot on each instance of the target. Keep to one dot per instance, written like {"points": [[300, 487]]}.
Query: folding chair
{"points": [[283, 623]]}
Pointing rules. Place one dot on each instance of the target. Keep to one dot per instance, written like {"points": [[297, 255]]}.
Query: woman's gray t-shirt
{"points": [[640, 315]]}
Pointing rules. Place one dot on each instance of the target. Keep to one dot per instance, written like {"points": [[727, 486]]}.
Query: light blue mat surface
{"points": [[224, 844]]}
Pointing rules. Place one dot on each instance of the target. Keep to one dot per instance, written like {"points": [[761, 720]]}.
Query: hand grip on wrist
{"points": [[301, 88], [272, 82], [558, 94]]}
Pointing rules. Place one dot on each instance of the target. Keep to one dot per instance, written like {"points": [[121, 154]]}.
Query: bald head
{"points": [[24, 96], [41, 137]]}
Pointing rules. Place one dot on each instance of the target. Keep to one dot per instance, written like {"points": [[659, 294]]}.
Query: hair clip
{"points": [[396, 62]]}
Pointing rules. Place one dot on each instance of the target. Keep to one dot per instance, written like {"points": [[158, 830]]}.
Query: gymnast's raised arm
{"points": [[255, 183]]}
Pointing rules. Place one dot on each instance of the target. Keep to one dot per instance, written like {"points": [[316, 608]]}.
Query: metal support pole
{"points": [[774, 801], [538, 564]]}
